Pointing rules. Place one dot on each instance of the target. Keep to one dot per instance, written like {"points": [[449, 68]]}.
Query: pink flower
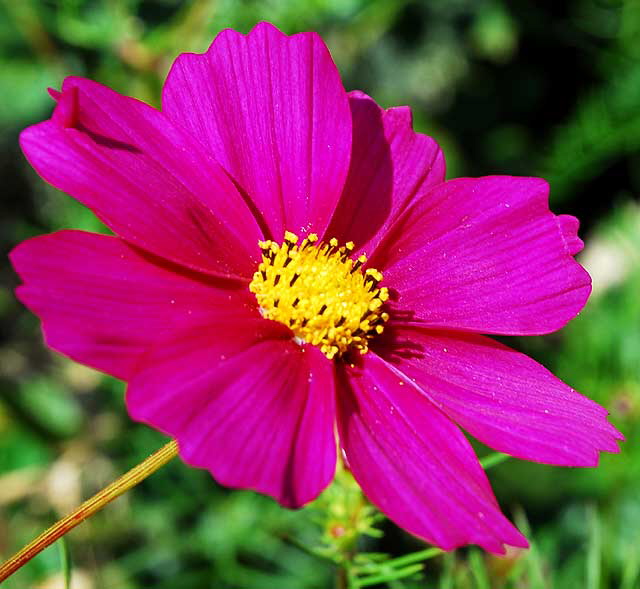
{"points": [[250, 345]]}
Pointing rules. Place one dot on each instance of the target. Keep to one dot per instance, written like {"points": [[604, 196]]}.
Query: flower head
{"points": [[321, 293], [289, 260]]}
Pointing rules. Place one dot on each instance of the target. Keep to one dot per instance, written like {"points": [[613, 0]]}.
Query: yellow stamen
{"points": [[320, 293]]}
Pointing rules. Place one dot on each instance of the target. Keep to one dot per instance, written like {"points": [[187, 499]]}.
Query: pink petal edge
{"points": [[414, 464], [502, 397], [392, 166], [272, 110], [255, 411], [103, 302], [485, 255], [148, 180]]}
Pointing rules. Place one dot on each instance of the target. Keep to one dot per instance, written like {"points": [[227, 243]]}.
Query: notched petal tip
{"points": [[55, 94], [66, 111], [609, 442], [65, 116], [261, 29], [569, 226], [265, 27]]}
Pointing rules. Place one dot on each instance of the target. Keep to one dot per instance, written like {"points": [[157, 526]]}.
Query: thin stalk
{"points": [[88, 508], [493, 459]]}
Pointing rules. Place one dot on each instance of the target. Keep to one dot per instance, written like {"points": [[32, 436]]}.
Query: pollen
{"points": [[321, 293]]}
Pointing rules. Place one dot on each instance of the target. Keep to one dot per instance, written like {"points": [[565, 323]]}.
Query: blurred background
{"points": [[524, 87]]}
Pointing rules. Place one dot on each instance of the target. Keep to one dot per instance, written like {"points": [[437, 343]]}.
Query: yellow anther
{"points": [[374, 274], [290, 237], [375, 304], [320, 293]]}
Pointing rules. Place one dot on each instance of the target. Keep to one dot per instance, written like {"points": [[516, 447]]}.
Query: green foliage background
{"points": [[524, 87]]}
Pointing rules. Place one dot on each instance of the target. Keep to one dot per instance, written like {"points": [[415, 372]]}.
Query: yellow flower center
{"points": [[320, 293]]}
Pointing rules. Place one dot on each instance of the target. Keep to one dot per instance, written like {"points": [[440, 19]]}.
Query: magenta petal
{"points": [[391, 167], [257, 414], [487, 255], [504, 398], [415, 464], [272, 110], [103, 303], [148, 180], [569, 227]]}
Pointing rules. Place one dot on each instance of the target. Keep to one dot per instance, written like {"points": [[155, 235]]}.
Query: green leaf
{"points": [[65, 561], [391, 575]]}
